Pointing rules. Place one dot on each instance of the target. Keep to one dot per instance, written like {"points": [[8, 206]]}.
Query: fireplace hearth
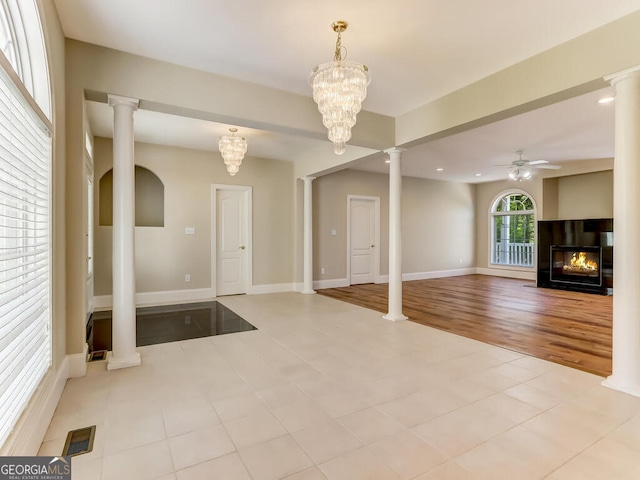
{"points": [[576, 255]]}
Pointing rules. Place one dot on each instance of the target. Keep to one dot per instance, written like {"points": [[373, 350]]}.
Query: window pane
{"points": [[513, 233], [7, 44]]}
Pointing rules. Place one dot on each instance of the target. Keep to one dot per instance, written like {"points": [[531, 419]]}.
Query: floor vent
{"points": [[79, 441], [98, 355]]}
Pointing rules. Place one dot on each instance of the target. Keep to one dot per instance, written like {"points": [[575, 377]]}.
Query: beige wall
{"points": [[586, 196], [550, 195], [438, 226], [165, 254], [330, 212]]}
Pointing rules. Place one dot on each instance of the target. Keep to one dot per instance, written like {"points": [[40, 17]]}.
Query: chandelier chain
{"points": [[337, 56]]}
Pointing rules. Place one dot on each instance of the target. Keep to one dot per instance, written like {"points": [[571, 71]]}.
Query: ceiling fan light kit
{"points": [[522, 169], [520, 173]]}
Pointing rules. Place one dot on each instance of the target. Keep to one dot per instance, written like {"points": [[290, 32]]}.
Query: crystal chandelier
{"points": [[232, 149], [339, 87]]}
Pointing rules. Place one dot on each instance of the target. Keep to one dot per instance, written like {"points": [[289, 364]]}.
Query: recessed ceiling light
{"points": [[478, 174], [606, 100], [439, 169]]}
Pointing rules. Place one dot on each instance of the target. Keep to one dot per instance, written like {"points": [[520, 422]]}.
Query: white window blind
{"points": [[25, 282]]}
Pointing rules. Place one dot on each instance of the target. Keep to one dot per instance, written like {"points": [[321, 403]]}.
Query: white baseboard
{"points": [[27, 435], [344, 282], [500, 272], [330, 283], [103, 302], [77, 363], [438, 274], [274, 288], [406, 277]]}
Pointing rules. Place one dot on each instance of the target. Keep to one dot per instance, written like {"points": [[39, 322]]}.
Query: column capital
{"points": [[395, 154], [396, 150], [633, 72], [307, 179], [120, 100]]}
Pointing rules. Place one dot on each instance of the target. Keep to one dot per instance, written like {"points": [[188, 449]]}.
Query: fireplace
{"points": [[576, 265], [576, 255]]}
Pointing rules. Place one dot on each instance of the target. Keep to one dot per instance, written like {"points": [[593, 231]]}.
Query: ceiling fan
{"points": [[521, 169]]}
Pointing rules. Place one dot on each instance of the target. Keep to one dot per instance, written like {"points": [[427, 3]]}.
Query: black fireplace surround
{"points": [[576, 255]]}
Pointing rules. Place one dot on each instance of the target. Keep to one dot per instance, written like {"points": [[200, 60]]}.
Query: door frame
{"points": [[376, 235], [248, 267], [88, 224]]}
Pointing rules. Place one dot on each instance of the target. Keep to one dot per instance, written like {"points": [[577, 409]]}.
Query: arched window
{"points": [[513, 218], [25, 210], [22, 43]]}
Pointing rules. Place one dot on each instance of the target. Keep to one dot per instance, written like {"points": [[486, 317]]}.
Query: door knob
{"points": [[242, 247], [372, 245]]}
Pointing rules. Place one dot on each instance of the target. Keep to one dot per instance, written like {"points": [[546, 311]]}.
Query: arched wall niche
{"points": [[149, 199]]}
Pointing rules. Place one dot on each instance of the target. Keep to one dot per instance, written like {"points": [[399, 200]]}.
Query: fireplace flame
{"points": [[580, 263]]}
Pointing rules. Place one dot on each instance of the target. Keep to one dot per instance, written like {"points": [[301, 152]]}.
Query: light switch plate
{"points": [[190, 231]]}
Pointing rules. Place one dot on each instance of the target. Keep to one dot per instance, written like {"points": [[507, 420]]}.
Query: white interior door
{"points": [[232, 241], [362, 244]]}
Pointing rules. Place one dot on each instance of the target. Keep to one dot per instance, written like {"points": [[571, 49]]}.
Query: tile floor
{"points": [[328, 390]]}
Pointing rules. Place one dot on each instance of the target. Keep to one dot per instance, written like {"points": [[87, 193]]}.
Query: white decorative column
{"points": [[626, 228], [123, 263], [308, 236], [395, 236]]}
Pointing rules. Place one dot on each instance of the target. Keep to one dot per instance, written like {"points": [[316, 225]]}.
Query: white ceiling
{"points": [[417, 50], [570, 131]]}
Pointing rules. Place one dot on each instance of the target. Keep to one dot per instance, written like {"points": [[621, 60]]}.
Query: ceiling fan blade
{"points": [[549, 167], [538, 162]]}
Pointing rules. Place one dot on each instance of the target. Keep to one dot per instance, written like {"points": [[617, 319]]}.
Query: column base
{"points": [[115, 363], [395, 317], [308, 292], [610, 382]]}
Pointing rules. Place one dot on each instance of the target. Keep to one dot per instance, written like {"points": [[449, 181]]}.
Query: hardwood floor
{"points": [[569, 328]]}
